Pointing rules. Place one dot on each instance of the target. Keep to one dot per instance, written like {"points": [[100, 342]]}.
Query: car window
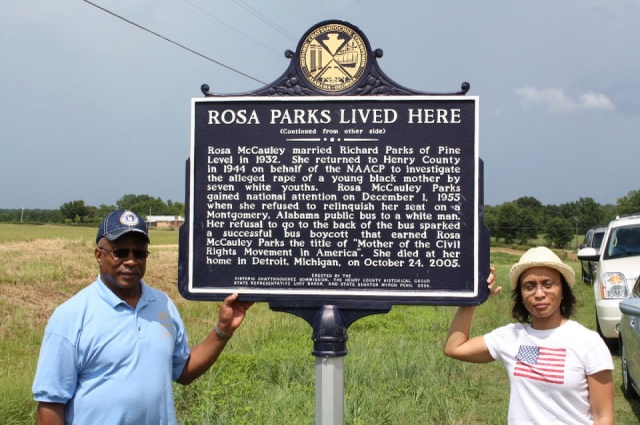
{"points": [[597, 240], [623, 242], [588, 237]]}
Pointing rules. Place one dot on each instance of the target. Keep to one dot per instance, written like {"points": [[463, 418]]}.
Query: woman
{"points": [[560, 372]]}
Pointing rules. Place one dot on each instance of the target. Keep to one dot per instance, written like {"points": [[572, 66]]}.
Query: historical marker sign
{"points": [[335, 197]]}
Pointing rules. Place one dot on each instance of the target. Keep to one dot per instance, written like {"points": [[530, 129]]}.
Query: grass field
{"points": [[26, 233], [395, 372]]}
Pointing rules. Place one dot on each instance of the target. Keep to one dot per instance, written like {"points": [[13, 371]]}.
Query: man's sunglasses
{"points": [[123, 253]]}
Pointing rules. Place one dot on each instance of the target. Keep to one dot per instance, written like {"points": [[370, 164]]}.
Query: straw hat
{"points": [[540, 257]]}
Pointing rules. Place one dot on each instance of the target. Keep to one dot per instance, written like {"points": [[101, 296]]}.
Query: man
{"points": [[111, 352]]}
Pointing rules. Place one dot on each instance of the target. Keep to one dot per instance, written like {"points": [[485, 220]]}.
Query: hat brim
{"points": [[563, 269], [118, 234]]}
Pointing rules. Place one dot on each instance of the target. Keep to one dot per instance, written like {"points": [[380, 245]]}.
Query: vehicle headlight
{"points": [[614, 285]]}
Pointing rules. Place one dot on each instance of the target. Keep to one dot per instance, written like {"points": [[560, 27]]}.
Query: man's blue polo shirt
{"points": [[110, 363]]}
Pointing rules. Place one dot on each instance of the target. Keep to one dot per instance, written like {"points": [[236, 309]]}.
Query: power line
{"points": [[237, 31], [263, 18], [173, 42]]}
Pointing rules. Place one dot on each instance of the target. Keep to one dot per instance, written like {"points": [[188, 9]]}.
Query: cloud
{"points": [[557, 101]]}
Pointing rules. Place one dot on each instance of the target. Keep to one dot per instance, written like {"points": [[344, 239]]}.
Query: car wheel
{"points": [[627, 386]]}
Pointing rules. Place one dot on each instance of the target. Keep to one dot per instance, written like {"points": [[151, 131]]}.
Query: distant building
{"points": [[164, 221]]}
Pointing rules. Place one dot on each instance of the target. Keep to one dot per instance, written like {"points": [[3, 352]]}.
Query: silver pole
{"points": [[330, 348], [330, 390]]}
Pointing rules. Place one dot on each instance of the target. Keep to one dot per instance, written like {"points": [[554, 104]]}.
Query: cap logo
{"points": [[129, 219]]}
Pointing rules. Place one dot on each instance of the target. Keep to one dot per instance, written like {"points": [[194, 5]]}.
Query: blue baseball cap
{"points": [[120, 222]]}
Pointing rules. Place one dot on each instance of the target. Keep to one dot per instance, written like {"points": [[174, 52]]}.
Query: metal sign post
{"points": [[330, 336], [330, 348], [330, 390]]}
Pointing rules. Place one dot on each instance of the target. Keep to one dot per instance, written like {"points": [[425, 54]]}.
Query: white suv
{"points": [[618, 268]]}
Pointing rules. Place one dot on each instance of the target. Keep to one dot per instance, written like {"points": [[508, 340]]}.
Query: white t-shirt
{"points": [[548, 371]]}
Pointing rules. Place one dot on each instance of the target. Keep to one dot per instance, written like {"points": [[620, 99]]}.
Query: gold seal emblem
{"points": [[333, 57]]}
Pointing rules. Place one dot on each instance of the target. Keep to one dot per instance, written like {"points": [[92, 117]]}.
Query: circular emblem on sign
{"points": [[129, 219], [333, 57]]}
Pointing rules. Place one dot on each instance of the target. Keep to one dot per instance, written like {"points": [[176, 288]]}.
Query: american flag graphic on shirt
{"points": [[541, 363]]}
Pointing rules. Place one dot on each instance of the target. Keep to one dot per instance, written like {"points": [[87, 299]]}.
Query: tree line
{"points": [[526, 218], [77, 212], [514, 222]]}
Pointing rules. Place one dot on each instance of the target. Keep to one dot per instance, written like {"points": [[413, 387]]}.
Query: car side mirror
{"points": [[588, 254], [630, 306]]}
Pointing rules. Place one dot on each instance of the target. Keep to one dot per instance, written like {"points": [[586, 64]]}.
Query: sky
{"points": [[93, 107]]}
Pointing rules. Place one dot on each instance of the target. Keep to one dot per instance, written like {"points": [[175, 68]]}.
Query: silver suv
{"points": [[592, 239], [617, 270]]}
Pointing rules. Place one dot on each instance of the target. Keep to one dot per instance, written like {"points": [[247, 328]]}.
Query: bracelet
{"points": [[221, 335]]}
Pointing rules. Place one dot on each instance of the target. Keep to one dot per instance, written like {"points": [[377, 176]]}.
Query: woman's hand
{"points": [[491, 281]]}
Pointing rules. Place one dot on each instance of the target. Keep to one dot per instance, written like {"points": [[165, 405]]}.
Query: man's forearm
{"points": [[50, 414]]}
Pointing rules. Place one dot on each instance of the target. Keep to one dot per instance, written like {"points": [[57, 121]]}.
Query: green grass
{"points": [[395, 372], [28, 232]]}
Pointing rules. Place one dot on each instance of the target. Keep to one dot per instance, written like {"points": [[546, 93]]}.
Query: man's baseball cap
{"points": [[120, 222]]}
